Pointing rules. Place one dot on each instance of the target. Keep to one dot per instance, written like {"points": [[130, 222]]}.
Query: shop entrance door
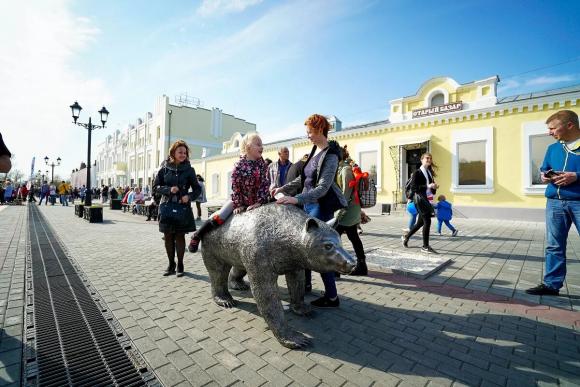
{"points": [[414, 160]]}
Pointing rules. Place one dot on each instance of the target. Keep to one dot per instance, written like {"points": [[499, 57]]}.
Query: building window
{"points": [[368, 157], [535, 141], [471, 157], [472, 161], [438, 99], [215, 184], [158, 132], [368, 163]]}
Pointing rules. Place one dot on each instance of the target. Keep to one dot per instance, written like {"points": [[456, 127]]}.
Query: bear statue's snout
{"points": [[346, 262]]}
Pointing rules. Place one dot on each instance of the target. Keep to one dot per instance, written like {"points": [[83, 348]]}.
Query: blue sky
{"points": [[270, 62]]}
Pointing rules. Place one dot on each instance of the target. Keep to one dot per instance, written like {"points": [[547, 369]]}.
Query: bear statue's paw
{"points": [[294, 340], [239, 285], [226, 302], [301, 309]]}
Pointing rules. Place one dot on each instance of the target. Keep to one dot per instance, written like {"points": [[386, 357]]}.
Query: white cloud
{"points": [[221, 7], [39, 82], [549, 80]]}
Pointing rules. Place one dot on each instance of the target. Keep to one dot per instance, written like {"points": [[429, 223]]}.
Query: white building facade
{"points": [[132, 157]]}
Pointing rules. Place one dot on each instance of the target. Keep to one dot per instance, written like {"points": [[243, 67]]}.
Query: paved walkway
{"points": [[460, 327]]}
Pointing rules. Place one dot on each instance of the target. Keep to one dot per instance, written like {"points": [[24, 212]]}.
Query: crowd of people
{"points": [[324, 183]]}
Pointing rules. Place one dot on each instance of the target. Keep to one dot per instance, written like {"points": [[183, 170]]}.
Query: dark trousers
{"points": [[424, 221], [352, 234]]}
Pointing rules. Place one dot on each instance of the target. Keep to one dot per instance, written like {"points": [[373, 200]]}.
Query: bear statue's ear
{"points": [[310, 225]]}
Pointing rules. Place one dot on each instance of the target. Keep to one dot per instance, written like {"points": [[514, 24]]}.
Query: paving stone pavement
{"points": [[12, 265], [389, 331]]}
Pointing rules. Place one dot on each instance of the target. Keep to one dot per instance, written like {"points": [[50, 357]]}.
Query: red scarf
{"points": [[354, 184]]}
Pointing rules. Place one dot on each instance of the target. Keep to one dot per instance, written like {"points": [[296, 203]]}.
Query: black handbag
{"points": [[423, 206], [175, 213]]}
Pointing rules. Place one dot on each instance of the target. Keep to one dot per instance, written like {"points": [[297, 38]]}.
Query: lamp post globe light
{"points": [[52, 165], [76, 112]]}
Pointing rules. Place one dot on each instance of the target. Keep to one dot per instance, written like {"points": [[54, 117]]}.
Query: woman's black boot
{"points": [[170, 269]]}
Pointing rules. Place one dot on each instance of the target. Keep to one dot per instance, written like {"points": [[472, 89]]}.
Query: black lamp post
{"points": [[52, 165], [76, 111]]}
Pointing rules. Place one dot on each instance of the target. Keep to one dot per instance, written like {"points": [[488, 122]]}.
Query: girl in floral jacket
{"points": [[250, 187]]}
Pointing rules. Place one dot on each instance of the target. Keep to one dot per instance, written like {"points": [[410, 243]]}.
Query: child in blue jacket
{"points": [[444, 214]]}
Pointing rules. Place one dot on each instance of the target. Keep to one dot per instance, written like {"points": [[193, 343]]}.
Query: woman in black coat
{"points": [[423, 188], [174, 179]]}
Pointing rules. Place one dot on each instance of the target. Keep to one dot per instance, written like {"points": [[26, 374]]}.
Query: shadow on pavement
{"points": [[468, 347], [10, 359]]}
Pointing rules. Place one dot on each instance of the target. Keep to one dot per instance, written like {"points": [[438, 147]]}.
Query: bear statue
{"points": [[266, 242]]}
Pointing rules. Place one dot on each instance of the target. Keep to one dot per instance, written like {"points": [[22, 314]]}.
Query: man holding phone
{"points": [[561, 172]]}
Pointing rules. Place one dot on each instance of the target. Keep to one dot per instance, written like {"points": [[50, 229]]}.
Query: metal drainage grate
{"points": [[71, 339]]}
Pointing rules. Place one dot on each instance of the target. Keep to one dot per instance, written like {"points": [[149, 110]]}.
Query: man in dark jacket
{"points": [[278, 171]]}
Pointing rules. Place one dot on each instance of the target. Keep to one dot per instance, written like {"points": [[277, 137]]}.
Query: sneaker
{"points": [[454, 233], [193, 245], [428, 250], [405, 241], [324, 302], [543, 290]]}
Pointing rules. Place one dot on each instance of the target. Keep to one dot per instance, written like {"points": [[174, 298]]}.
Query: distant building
{"points": [[488, 149], [132, 157]]}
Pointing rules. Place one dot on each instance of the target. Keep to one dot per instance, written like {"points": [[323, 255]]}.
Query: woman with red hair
{"points": [[319, 193]]}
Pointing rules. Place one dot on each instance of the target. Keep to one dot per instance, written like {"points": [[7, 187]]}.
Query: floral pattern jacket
{"points": [[250, 182]]}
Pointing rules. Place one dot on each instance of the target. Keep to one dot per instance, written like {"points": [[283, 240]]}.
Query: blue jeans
{"points": [[64, 200], [447, 223], [412, 220], [314, 211], [560, 214]]}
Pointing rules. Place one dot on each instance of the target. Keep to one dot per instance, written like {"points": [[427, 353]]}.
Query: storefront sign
{"points": [[450, 107]]}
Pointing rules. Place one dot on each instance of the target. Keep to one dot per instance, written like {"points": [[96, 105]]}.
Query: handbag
{"points": [[423, 206], [175, 213]]}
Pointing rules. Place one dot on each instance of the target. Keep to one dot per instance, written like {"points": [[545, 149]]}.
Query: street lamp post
{"points": [[52, 165], [76, 111]]}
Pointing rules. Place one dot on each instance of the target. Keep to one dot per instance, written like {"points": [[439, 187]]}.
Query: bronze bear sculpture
{"points": [[266, 242]]}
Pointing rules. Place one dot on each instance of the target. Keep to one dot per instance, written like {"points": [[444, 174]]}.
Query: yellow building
{"points": [[488, 149]]}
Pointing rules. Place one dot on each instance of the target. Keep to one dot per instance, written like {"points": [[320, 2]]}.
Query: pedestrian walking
{"points": [[201, 198], [444, 214], [559, 172], [423, 188], [63, 193], [44, 193], [8, 192], [52, 193], [175, 178]]}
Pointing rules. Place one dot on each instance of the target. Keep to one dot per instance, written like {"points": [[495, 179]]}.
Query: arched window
{"points": [[438, 99], [236, 143]]}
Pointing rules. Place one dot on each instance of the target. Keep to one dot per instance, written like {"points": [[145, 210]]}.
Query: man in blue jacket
{"points": [[560, 171]]}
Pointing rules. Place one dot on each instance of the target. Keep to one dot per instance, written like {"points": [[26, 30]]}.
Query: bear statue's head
{"points": [[325, 252]]}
